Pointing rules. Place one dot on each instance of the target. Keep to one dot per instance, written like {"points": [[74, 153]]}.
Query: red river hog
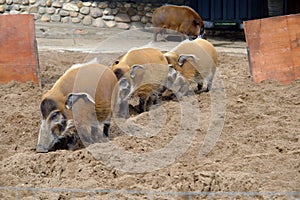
{"points": [[91, 82], [182, 19], [196, 60]]}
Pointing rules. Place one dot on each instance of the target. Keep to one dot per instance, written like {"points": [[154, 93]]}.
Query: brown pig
{"points": [[182, 19]]}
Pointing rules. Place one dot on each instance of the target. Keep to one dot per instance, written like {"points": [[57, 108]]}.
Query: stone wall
{"points": [[114, 13]]}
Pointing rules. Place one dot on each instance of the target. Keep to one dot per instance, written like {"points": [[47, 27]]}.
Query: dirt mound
{"points": [[258, 150]]}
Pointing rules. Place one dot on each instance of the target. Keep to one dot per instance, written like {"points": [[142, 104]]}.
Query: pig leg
{"points": [[124, 109], [106, 128], [157, 30], [152, 100], [143, 104], [141, 107], [207, 83], [206, 87], [163, 34], [199, 87]]}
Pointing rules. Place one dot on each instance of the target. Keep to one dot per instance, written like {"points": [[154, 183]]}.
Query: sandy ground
{"points": [[258, 149]]}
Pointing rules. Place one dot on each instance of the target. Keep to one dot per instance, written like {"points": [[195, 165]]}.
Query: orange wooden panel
{"points": [[294, 35], [274, 48], [18, 52]]}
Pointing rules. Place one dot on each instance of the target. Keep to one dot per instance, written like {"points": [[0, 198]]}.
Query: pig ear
{"points": [[183, 58], [72, 98], [134, 69], [47, 106]]}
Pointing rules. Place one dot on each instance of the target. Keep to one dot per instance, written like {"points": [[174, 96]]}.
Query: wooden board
{"points": [[18, 52], [274, 48]]}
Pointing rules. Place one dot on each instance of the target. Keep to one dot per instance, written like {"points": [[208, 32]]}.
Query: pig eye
{"points": [[54, 115]]}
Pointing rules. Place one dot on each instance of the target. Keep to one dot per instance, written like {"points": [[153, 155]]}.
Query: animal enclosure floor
{"points": [[258, 149]]}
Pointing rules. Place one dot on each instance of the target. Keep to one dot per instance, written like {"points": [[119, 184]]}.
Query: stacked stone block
{"points": [[94, 13]]}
